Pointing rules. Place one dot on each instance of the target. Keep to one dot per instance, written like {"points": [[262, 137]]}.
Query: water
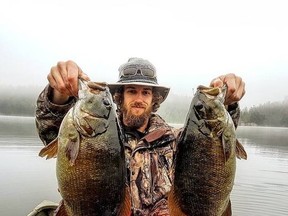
{"points": [[261, 186], [26, 179]]}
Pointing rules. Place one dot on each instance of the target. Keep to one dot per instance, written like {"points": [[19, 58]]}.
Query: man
{"points": [[150, 142]]}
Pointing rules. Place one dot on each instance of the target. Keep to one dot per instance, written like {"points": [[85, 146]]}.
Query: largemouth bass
{"points": [[206, 158], [90, 157]]}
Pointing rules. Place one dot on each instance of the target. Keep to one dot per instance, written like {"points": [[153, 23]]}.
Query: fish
{"points": [[205, 163], [90, 166]]}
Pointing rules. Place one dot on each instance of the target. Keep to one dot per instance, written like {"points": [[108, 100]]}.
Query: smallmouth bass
{"points": [[90, 165], [206, 158]]}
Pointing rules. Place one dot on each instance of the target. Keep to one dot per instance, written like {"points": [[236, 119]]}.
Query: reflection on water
{"points": [[26, 179], [261, 186], [12, 125], [269, 137]]}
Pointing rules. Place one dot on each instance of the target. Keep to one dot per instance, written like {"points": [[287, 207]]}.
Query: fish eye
{"points": [[199, 106], [199, 110], [106, 102]]}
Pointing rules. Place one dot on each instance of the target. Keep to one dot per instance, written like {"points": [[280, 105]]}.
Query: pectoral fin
{"points": [[50, 151], [240, 151], [226, 148], [72, 149]]}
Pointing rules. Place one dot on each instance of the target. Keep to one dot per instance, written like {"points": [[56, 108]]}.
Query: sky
{"points": [[190, 42]]}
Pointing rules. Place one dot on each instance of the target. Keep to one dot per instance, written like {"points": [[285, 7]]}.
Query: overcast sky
{"points": [[190, 42]]}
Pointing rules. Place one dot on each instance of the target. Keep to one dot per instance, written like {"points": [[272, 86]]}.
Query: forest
{"points": [[21, 101], [268, 114]]}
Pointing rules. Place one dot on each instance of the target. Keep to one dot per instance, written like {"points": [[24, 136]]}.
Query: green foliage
{"points": [[20, 101], [268, 114]]}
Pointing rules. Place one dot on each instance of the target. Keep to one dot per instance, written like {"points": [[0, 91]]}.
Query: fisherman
{"points": [[151, 143]]}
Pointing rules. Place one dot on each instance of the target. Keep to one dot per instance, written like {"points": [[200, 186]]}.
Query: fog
{"points": [[189, 42]]}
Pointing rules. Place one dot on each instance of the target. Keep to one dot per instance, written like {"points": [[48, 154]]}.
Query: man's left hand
{"points": [[235, 87]]}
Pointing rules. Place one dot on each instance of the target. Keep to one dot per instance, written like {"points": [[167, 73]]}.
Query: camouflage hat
{"points": [[138, 71]]}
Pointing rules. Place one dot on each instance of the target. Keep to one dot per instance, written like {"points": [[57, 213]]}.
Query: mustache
{"points": [[138, 105]]}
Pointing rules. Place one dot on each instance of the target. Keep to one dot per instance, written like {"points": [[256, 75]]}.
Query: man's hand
{"points": [[63, 78], [235, 87]]}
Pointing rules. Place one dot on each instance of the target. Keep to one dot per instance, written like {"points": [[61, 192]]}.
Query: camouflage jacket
{"points": [[149, 156]]}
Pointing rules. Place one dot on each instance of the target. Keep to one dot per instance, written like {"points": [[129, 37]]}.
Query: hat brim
{"points": [[164, 91]]}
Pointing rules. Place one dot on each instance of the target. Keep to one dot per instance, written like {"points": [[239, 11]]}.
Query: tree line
{"points": [[267, 114], [18, 100], [21, 101]]}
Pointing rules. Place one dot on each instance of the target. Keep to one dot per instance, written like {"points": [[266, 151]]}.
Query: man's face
{"points": [[137, 105]]}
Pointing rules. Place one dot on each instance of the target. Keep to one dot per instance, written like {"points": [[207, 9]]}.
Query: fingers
{"points": [[71, 70], [82, 75], [63, 78], [235, 87], [217, 82]]}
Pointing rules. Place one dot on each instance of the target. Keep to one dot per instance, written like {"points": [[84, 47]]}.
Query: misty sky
{"points": [[190, 42]]}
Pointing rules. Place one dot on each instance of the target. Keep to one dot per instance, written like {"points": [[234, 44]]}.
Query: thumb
{"points": [[82, 75], [217, 82]]}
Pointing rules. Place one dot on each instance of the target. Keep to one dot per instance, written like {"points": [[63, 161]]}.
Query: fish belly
{"points": [[204, 170], [94, 185]]}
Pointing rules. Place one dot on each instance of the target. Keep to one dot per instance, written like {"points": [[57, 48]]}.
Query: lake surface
{"points": [[261, 184]]}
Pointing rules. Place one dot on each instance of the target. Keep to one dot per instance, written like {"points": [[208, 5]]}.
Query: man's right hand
{"points": [[63, 78]]}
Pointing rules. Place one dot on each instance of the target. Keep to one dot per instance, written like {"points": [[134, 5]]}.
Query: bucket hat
{"points": [[138, 71]]}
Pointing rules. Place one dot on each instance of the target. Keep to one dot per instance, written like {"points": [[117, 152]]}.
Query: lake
{"points": [[261, 184]]}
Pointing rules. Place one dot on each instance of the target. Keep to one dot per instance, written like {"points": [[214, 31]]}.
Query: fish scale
{"points": [[205, 161], [90, 165]]}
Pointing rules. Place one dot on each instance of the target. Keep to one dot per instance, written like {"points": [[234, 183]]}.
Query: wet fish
{"points": [[206, 158], [90, 158]]}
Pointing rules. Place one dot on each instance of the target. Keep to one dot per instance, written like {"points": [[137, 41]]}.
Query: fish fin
{"points": [[61, 211], [72, 149], [125, 206], [225, 153], [174, 204], [50, 150], [228, 211], [240, 151]]}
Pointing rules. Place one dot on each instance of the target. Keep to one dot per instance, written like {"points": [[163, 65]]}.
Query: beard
{"points": [[135, 121]]}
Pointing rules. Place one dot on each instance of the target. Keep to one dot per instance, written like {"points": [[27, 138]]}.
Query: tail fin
{"points": [[50, 151], [61, 211]]}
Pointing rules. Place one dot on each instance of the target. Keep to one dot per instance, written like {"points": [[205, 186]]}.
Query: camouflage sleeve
{"points": [[234, 111], [49, 116]]}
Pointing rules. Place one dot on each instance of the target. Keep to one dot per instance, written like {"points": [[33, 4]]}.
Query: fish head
{"points": [[209, 108], [93, 109]]}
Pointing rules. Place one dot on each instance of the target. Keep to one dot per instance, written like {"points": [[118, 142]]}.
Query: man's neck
{"points": [[143, 128]]}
